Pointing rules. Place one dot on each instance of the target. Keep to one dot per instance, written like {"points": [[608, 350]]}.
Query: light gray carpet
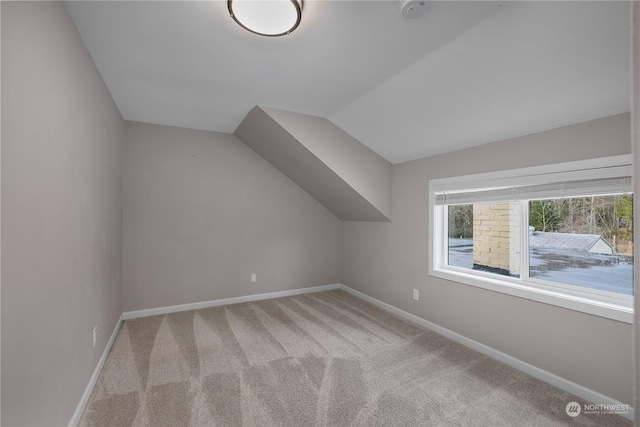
{"points": [[323, 359]]}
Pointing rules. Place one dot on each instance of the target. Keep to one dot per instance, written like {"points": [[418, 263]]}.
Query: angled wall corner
{"points": [[348, 178]]}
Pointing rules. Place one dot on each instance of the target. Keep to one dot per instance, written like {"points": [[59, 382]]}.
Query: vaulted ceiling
{"points": [[465, 74]]}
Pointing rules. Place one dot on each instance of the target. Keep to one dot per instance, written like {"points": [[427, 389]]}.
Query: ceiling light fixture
{"points": [[271, 18]]}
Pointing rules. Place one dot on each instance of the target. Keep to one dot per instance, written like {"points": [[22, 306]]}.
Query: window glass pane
{"points": [[485, 237], [460, 236], [585, 241]]}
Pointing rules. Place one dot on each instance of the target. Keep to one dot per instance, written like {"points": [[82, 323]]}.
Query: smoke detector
{"points": [[411, 9]]}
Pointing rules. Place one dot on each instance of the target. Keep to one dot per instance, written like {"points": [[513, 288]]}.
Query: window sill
{"points": [[609, 310]]}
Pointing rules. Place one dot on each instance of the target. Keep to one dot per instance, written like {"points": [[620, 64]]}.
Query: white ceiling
{"points": [[465, 74]]}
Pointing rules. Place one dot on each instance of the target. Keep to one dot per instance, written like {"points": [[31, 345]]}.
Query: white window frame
{"points": [[606, 304]]}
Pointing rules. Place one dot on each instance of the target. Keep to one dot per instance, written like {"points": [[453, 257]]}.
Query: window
{"points": [[560, 234]]}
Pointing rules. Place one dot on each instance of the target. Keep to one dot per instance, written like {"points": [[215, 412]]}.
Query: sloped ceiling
{"points": [[345, 176], [527, 68], [465, 74]]}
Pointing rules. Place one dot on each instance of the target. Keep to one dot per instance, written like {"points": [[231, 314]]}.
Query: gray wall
{"points": [[202, 211], [386, 261], [62, 141]]}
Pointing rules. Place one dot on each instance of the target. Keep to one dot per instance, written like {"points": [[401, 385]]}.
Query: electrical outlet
{"points": [[95, 333], [254, 278], [416, 294]]}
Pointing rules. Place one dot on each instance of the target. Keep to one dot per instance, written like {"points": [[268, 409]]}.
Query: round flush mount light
{"points": [[271, 18]]}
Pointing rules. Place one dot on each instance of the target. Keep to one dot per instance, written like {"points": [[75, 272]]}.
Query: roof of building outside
{"points": [[581, 242]]}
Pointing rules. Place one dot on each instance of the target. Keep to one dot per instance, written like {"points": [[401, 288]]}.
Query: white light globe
{"points": [[267, 17]]}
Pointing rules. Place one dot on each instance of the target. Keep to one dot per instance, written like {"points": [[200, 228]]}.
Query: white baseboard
{"points": [[548, 377], [75, 419], [226, 301]]}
